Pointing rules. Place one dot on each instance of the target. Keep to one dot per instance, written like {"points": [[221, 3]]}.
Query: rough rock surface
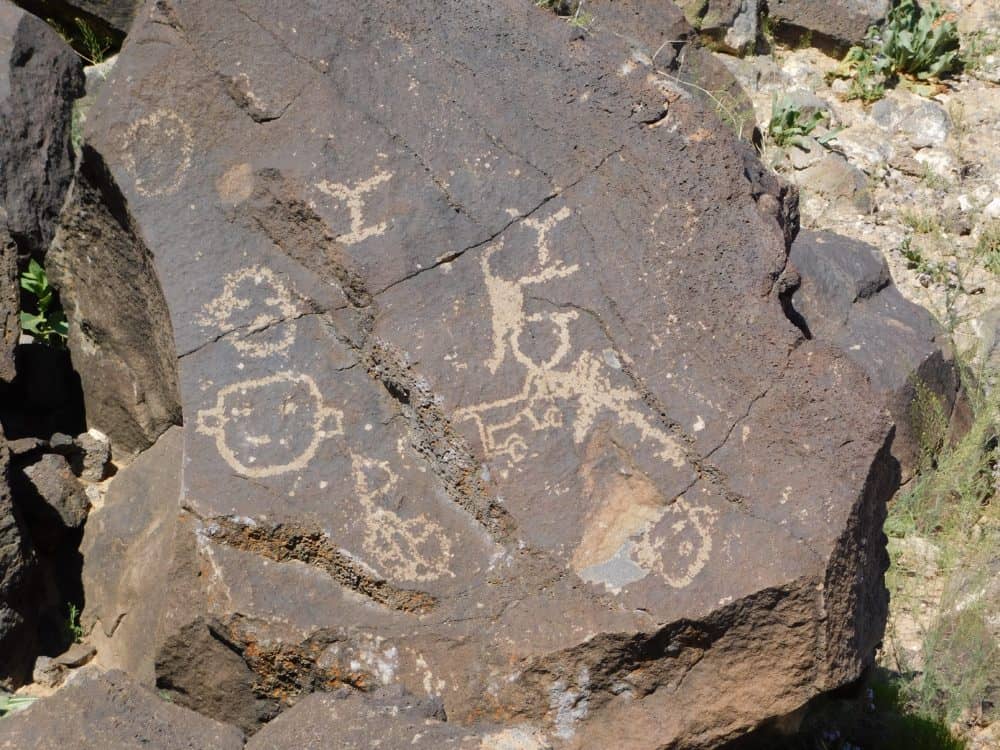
{"points": [[489, 389], [844, 21], [132, 528], [732, 23], [111, 712], [10, 302], [59, 502], [17, 627], [120, 340], [39, 78], [326, 720], [847, 297]]}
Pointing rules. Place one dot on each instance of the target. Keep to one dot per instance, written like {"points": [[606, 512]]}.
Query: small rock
{"points": [[993, 209], [95, 453], [76, 655], [47, 673], [61, 503], [835, 179], [62, 443]]}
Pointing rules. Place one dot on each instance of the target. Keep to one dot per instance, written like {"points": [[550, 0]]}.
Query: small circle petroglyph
{"points": [[156, 152]]}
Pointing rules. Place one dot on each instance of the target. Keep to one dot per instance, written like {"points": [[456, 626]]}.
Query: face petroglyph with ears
{"points": [[296, 417]]}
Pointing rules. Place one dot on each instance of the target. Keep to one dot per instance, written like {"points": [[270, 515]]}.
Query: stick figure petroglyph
{"points": [[353, 198], [413, 549], [260, 289], [157, 152], [270, 426], [552, 380]]}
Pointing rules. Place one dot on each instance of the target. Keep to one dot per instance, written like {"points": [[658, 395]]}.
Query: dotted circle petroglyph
{"points": [[157, 150]]}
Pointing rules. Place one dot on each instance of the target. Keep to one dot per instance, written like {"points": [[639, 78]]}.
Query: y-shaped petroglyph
{"points": [[553, 380], [352, 197], [156, 152], [680, 552], [413, 549], [259, 289], [269, 426]]}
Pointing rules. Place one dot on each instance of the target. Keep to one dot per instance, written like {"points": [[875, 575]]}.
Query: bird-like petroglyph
{"points": [[296, 416], [413, 549], [557, 380], [256, 289], [157, 151], [354, 199]]}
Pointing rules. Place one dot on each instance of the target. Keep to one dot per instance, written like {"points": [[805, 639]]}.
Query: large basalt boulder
{"points": [[120, 338], [847, 297], [40, 76], [111, 712], [393, 722], [489, 391], [133, 526], [841, 21], [17, 581]]}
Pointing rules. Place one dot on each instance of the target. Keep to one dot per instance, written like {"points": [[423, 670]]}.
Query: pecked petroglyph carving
{"points": [[680, 551], [302, 422], [556, 380], [353, 199], [414, 549], [157, 152], [260, 289]]}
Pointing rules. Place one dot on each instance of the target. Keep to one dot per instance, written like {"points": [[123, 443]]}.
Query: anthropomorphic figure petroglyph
{"points": [[553, 381], [261, 291], [297, 418], [353, 199]]}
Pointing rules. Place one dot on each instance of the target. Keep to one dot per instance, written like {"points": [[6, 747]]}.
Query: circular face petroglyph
{"points": [[157, 152], [259, 289], [270, 426], [679, 546]]}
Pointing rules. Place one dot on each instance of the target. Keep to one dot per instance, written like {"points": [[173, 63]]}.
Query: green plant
{"points": [[988, 247], [788, 126], [11, 703], [49, 324], [921, 223], [72, 630], [571, 10], [920, 42], [91, 44]]}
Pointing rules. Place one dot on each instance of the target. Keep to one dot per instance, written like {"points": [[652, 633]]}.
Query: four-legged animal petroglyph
{"points": [[259, 290], [156, 152], [553, 381], [353, 199], [413, 549]]}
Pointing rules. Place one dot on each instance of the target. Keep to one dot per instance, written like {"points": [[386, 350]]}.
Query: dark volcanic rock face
{"points": [[39, 78], [17, 581], [488, 390], [110, 711], [847, 297]]}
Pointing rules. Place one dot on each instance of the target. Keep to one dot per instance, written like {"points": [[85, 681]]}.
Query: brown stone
{"points": [[489, 391]]}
